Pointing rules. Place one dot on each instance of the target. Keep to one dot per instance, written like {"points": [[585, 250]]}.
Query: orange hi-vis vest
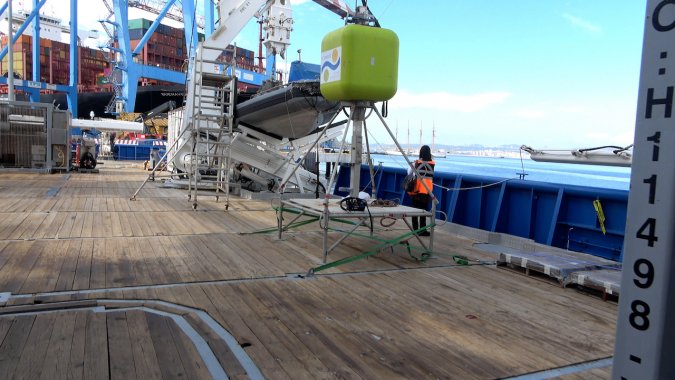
{"points": [[426, 172]]}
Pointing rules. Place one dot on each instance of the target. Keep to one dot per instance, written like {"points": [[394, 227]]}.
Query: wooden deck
{"points": [[72, 246]]}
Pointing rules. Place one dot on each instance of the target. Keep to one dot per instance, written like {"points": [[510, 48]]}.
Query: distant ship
{"points": [[147, 98]]}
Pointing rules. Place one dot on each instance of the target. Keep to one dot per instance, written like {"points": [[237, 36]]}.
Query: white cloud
{"points": [[581, 23], [544, 110], [448, 101]]}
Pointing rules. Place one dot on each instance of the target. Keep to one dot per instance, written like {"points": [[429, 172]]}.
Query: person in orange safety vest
{"points": [[420, 196]]}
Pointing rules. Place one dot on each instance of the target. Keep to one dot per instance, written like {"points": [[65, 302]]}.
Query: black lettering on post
{"points": [[651, 181], [656, 139], [656, 21], [667, 101]]}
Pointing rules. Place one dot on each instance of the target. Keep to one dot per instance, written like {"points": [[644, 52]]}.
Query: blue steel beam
{"points": [[270, 66], [247, 76], [73, 81], [209, 18], [132, 71], [145, 71], [35, 94], [153, 27], [189, 21], [129, 75], [32, 85], [22, 28], [3, 8]]}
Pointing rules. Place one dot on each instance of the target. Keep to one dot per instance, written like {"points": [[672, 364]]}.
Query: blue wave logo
{"points": [[331, 66]]}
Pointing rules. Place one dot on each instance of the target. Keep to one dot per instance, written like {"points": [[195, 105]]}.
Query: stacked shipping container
{"points": [[166, 47], [55, 63]]}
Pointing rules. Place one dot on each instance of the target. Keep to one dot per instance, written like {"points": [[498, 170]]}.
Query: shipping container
{"points": [[139, 23], [136, 34]]}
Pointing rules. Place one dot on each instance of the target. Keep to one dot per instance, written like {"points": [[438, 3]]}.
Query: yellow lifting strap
{"points": [[601, 215]]}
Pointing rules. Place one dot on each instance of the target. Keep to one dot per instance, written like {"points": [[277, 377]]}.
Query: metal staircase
{"points": [[211, 128]]}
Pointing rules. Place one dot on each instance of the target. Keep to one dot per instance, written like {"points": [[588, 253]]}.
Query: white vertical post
{"points": [[645, 344], [358, 114]]}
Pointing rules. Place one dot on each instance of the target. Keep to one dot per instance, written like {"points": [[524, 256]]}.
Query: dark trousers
{"points": [[420, 201]]}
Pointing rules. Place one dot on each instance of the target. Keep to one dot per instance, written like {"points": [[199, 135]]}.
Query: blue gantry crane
{"points": [[33, 87], [126, 72]]}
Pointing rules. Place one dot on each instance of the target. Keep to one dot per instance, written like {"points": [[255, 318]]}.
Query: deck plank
{"points": [[120, 349], [327, 350], [23, 265], [29, 226], [96, 347], [90, 219], [10, 222], [450, 325], [13, 344], [194, 366], [140, 267], [45, 273], [5, 325], [145, 358], [83, 250], [51, 229], [165, 347], [383, 327], [174, 258], [65, 230], [271, 338], [77, 346], [384, 317], [293, 343], [116, 229], [224, 354], [99, 276], [233, 322], [78, 223], [162, 264], [43, 230], [58, 355], [7, 251], [68, 269]]}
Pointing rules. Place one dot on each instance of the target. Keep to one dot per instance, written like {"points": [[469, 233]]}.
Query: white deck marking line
{"points": [[200, 344], [251, 370], [212, 363]]}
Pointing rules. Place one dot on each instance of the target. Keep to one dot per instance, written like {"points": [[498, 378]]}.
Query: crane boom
{"points": [[338, 7]]}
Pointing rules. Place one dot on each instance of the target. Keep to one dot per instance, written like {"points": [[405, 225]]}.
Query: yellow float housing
{"points": [[359, 63]]}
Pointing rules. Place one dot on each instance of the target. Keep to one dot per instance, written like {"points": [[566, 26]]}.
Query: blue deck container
{"points": [[138, 150]]}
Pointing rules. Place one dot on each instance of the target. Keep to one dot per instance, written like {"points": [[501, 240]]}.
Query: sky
{"points": [[556, 74]]}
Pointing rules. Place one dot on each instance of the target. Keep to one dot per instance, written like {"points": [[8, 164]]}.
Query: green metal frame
{"points": [[383, 243]]}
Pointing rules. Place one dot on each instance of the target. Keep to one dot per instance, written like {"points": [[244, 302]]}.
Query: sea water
{"points": [[608, 177]]}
